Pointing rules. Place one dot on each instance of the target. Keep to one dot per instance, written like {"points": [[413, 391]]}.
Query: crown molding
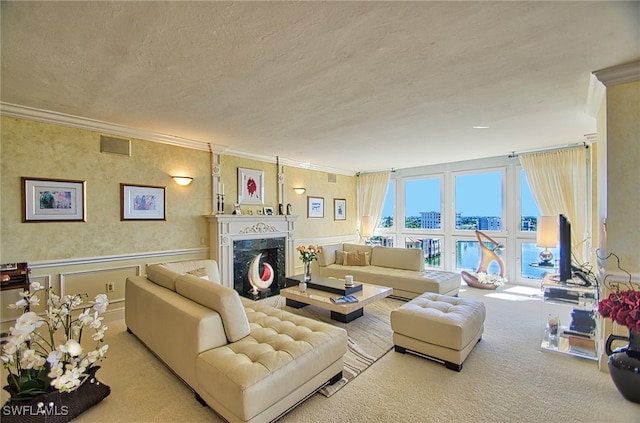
{"points": [[55, 118], [620, 74], [288, 162]]}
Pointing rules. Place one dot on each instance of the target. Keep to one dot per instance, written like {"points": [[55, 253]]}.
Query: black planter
{"points": [[56, 407], [624, 365]]}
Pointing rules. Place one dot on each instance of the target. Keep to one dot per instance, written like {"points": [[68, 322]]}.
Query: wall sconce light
{"points": [[299, 191], [547, 237], [182, 180]]}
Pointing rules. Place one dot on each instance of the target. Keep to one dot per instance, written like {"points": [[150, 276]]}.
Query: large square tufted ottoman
{"points": [[439, 326]]}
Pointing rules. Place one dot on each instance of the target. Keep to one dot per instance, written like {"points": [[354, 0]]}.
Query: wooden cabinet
{"points": [[15, 276]]}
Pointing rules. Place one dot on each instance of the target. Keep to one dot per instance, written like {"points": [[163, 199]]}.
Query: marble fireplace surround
{"points": [[224, 229]]}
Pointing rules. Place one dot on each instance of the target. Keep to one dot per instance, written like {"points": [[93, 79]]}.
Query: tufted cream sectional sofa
{"points": [[399, 268], [248, 362]]}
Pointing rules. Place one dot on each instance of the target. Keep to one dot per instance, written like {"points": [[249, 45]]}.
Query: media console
{"points": [[569, 323]]}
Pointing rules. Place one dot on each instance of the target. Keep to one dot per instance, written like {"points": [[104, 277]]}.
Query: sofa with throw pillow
{"points": [[399, 268], [248, 362]]}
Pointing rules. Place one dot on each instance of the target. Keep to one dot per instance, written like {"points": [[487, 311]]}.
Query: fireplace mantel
{"points": [[226, 228]]}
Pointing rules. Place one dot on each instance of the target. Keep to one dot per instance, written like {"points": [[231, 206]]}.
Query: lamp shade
{"points": [[547, 232], [366, 226]]}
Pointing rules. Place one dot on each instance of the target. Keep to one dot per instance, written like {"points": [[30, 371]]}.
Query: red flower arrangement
{"points": [[623, 308]]}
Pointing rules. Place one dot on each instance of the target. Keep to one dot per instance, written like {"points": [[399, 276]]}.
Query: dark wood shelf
{"points": [[15, 276]]}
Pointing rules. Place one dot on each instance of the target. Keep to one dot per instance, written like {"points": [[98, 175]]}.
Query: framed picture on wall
{"points": [[143, 202], [268, 211], [315, 207], [250, 186], [339, 209], [52, 200]]}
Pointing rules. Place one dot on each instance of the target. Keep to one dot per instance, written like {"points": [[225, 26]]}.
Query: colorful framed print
{"points": [[315, 207], [53, 200], [339, 209], [143, 202], [250, 186]]}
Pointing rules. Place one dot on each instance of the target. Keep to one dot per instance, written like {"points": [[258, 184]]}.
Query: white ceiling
{"points": [[358, 86]]}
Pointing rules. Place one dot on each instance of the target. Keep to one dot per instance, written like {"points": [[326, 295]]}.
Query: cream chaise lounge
{"points": [[248, 362], [399, 268]]}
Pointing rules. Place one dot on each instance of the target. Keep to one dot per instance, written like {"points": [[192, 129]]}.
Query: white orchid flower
{"points": [[101, 303], [71, 347]]}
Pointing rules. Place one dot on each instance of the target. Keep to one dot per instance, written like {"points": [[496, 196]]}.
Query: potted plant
{"points": [[50, 373]]}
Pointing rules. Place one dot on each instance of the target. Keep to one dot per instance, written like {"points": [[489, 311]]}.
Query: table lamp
{"points": [[547, 237], [366, 228]]}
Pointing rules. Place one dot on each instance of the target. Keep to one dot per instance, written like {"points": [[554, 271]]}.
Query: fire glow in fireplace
{"points": [[259, 267]]}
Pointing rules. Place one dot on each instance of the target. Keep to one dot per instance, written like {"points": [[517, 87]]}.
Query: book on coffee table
{"points": [[344, 300]]}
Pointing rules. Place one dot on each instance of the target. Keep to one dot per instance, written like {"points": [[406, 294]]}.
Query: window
{"points": [[383, 241], [530, 253], [479, 201], [423, 202], [529, 211], [389, 208], [468, 256], [432, 249]]}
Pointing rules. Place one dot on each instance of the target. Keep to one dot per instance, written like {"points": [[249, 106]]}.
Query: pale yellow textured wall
{"points": [[623, 177], [40, 150], [317, 185]]}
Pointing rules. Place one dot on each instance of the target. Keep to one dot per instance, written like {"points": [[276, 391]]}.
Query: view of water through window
{"points": [[479, 205]]}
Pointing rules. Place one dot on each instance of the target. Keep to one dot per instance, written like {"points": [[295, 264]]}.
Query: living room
{"points": [[42, 140]]}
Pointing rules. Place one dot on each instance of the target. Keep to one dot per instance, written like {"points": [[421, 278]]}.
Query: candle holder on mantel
{"points": [[220, 204]]}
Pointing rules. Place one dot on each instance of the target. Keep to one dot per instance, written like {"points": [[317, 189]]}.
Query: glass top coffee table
{"points": [[321, 290]]}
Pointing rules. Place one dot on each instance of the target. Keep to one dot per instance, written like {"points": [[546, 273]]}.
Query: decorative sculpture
{"points": [[487, 256], [260, 283]]}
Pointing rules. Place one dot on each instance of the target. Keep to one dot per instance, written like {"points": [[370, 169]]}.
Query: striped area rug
{"points": [[369, 337]]}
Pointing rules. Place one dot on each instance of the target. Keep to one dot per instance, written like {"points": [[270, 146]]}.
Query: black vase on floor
{"points": [[624, 365]]}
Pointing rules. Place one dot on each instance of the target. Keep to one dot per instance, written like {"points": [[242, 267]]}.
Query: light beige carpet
{"points": [[505, 379], [370, 336]]}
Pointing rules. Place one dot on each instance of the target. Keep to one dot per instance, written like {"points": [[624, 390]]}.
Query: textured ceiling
{"points": [[350, 85]]}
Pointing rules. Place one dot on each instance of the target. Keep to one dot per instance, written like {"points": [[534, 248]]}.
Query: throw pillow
{"points": [[356, 259], [340, 257]]}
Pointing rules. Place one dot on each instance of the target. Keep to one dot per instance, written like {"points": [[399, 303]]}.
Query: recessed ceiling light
{"points": [[481, 127]]}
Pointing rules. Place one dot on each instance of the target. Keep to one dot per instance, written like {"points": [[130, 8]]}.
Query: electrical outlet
{"points": [[110, 287]]}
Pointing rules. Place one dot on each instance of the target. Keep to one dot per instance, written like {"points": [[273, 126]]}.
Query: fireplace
{"points": [[259, 267], [236, 241]]}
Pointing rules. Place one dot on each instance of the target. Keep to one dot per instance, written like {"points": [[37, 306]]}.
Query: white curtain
{"points": [[558, 182], [372, 190]]}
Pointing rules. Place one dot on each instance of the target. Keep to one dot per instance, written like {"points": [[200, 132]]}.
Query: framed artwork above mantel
{"points": [[250, 186]]}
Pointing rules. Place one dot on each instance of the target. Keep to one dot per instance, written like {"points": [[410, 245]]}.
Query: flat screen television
{"points": [[565, 248]]}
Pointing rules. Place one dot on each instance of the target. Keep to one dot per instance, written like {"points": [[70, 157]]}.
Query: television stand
{"points": [[568, 318]]}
